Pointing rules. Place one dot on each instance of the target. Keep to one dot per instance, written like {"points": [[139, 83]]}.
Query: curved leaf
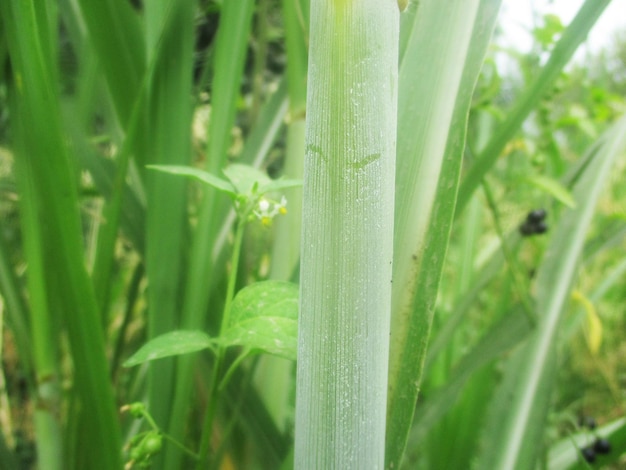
{"points": [[204, 176], [264, 317], [174, 343]]}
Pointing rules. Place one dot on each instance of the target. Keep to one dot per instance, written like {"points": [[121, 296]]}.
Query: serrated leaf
{"points": [[244, 177], [208, 178], [170, 344], [264, 317], [554, 188]]}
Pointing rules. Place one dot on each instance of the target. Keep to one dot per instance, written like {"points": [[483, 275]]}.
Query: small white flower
{"points": [[264, 206], [268, 209]]}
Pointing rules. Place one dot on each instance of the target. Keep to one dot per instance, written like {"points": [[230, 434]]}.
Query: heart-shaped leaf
{"points": [[264, 318]]}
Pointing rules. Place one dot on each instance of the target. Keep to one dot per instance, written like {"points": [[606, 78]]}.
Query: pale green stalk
{"points": [[348, 199]]}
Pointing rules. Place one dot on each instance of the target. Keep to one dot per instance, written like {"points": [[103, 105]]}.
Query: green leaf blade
{"points": [[245, 177], [264, 317], [174, 343], [553, 188], [201, 175]]}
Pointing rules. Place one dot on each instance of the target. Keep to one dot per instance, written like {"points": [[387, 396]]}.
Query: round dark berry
{"points": [[602, 446], [588, 454], [536, 215], [541, 227], [588, 422]]}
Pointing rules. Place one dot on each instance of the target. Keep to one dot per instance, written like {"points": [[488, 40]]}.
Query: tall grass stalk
{"points": [[346, 255], [51, 228]]}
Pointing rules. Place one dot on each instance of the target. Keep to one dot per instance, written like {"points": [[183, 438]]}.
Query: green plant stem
{"points": [[178, 444], [148, 417], [516, 275], [214, 384]]}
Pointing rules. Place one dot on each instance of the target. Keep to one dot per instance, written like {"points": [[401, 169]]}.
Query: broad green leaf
{"points": [[170, 344], [204, 176], [245, 177], [279, 185], [552, 187], [264, 317]]}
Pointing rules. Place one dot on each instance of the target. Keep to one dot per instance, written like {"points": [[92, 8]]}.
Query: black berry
{"points": [[536, 215], [534, 223], [602, 446], [588, 454], [541, 227], [588, 422]]}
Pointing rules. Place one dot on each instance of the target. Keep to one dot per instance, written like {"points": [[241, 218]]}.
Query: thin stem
{"points": [[214, 388], [518, 284], [234, 263], [187, 451]]}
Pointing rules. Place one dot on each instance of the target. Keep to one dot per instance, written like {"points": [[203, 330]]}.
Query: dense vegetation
{"points": [[151, 156]]}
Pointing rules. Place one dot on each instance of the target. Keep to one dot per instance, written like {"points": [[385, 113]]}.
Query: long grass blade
{"points": [[439, 80], [169, 112], [52, 227]]}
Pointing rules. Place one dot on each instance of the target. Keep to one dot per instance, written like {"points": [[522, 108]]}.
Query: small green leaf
{"points": [[279, 185], [208, 178], [174, 343], [264, 317], [243, 177], [554, 188]]}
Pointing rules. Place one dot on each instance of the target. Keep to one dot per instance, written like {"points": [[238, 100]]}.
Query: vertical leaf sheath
{"points": [[347, 230]]}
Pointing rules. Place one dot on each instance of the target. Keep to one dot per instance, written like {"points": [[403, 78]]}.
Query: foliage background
{"points": [[98, 254]]}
